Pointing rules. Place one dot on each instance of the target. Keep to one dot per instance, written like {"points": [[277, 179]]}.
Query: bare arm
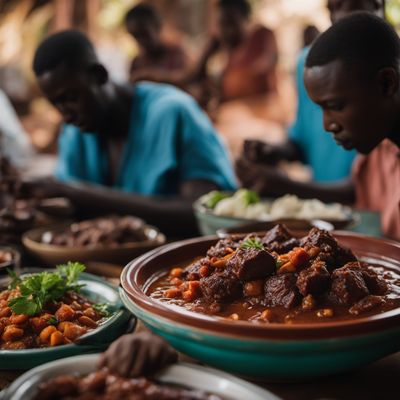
{"points": [[270, 181], [174, 216]]}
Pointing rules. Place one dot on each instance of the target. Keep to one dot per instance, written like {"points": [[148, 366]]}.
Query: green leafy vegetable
{"points": [[249, 197], [252, 243], [102, 308], [14, 279], [39, 289], [213, 198], [52, 320]]}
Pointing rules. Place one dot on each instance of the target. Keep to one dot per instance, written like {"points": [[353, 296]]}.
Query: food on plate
{"points": [[46, 309], [247, 205], [104, 385], [109, 231], [279, 278]]}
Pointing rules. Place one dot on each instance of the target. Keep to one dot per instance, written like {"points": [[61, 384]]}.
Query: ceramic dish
{"points": [[188, 375], [270, 351], [52, 254], [209, 223], [97, 291]]}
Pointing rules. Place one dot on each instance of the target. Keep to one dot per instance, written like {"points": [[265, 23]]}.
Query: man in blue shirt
{"points": [[121, 142], [307, 140]]}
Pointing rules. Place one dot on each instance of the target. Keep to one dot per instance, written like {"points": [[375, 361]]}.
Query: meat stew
{"points": [[280, 278]]}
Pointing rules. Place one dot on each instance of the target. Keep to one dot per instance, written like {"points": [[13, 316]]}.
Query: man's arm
{"points": [[173, 216], [270, 181]]}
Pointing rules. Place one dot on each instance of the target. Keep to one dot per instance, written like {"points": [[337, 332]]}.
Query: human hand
{"points": [[263, 179], [41, 188], [258, 151], [137, 354]]}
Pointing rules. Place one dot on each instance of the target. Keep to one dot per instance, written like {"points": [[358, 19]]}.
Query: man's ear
{"points": [[388, 81], [98, 73]]}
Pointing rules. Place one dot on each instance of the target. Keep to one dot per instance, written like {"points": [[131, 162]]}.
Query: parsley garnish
{"points": [[252, 243], [52, 320], [102, 308], [38, 289]]}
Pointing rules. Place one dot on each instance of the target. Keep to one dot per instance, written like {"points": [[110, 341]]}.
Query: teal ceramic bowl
{"points": [[98, 291], [209, 223], [271, 351]]}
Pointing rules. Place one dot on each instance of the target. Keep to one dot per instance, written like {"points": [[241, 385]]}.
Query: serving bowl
{"points": [[184, 374], [209, 223], [98, 291], [50, 254], [264, 351]]}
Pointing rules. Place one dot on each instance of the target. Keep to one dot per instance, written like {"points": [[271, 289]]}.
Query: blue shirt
{"points": [[328, 161], [170, 140]]}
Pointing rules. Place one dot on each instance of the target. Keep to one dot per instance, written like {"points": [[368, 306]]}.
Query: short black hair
{"points": [[144, 11], [243, 6], [359, 39], [68, 47]]}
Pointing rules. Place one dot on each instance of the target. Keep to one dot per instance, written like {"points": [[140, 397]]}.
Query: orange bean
{"points": [[65, 313], [87, 322], [176, 281], [12, 333], [62, 325], [73, 331], [204, 271], [89, 312], [19, 319], [56, 338], [46, 333], [172, 293], [5, 312], [253, 288], [176, 272], [189, 295]]}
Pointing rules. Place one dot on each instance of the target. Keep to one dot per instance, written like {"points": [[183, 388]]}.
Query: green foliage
{"points": [[213, 198], [249, 197], [38, 289], [102, 308], [252, 243]]}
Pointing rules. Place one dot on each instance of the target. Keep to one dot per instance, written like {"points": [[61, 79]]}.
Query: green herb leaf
{"points": [[102, 308], [14, 279], [252, 243], [211, 199], [38, 289], [52, 320]]}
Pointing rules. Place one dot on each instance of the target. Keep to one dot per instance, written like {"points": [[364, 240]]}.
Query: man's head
{"points": [[144, 24], [70, 76], [233, 16], [352, 72], [339, 9]]}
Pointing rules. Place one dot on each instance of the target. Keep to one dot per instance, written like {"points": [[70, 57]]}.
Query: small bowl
{"points": [[183, 374], [270, 351], [51, 254], [209, 223], [98, 291]]}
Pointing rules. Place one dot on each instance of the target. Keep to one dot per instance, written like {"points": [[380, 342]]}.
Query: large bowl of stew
{"points": [[272, 306]]}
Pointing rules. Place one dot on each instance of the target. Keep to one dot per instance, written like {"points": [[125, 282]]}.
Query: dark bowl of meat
{"points": [[109, 239], [77, 378], [272, 305]]}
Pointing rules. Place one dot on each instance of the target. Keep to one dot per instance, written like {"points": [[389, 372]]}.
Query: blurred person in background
{"points": [[307, 142], [14, 141], [156, 55], [145, 149]]}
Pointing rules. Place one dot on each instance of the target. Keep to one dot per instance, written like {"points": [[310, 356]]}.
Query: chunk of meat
{"points": [[313, 280], [193, 271], [223, 247], [281, 290], [251, 264], [375, 283], [348, 285], [324, 247], [279, 239], [368, 303], [221, 287]]}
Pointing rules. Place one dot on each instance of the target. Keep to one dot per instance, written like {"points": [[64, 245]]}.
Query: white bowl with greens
{"points": [[221, 210]]}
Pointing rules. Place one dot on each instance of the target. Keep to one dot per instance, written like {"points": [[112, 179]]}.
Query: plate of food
{"points": [[272, 306], [57, 313], [71, 377], [113, 239], [221, 210]]}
